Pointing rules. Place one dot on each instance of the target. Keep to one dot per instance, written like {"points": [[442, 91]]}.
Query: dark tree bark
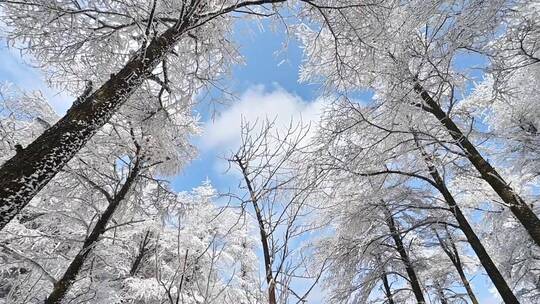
{"points": [[491, 269], [62, 286], [264, 235], [449, 247], [517, 205], [387, 289], [413, 279], [440, 292], [143, 250], [33, 167], [267, 257], [27, 172]]}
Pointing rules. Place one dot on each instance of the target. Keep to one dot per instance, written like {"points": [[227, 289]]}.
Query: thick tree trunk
{"points": [[491, 269], [517, 205], [62, 286], [29, 170], [413, 279]]}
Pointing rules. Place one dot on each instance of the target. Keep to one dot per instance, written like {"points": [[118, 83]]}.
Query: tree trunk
{"points": [[413, 279], [387, 289], [440, 292], [453, 255], [28, 171], [491, 269], [267, 258], [264, 236], [467, 285], [517, 205], [62, 286], [143, 250]]}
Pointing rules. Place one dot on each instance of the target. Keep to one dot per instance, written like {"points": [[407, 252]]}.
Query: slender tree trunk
{"points": [[440, 292], [143, 250], [413, 279], [387, 289], [467, 285], [62, 286], [453, 255], [264, 236], [491, 269], [267, 258], [517, 205]]}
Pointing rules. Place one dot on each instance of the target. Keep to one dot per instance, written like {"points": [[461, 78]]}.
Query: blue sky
{"points": [[269, 70], [266, 85]]}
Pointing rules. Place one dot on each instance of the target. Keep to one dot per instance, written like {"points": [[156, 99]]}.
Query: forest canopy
{"points": [[270, 151]]}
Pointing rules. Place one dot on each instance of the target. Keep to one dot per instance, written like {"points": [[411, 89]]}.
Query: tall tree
{"points": [[106, 230], [279, 199], [407, 52], [404, 255], [363, 141], [164, 42]]}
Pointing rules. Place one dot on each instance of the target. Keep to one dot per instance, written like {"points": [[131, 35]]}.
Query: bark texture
{"points": [[516, 204], [411, 273], [491, 269], [33, 167]]}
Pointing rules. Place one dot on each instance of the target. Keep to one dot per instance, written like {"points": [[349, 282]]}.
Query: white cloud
{"points": [[255, 105]]}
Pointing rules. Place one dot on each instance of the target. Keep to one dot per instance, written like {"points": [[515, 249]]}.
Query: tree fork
{"points": [[516, 204]]}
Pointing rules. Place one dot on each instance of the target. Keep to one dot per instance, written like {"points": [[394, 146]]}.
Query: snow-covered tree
{"points": [[357, 142], [408, 54], [406, 197], [166, 49], [107, 229]]}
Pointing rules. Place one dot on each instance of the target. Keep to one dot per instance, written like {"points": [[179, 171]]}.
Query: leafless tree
{"points": [[280, 201]]}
